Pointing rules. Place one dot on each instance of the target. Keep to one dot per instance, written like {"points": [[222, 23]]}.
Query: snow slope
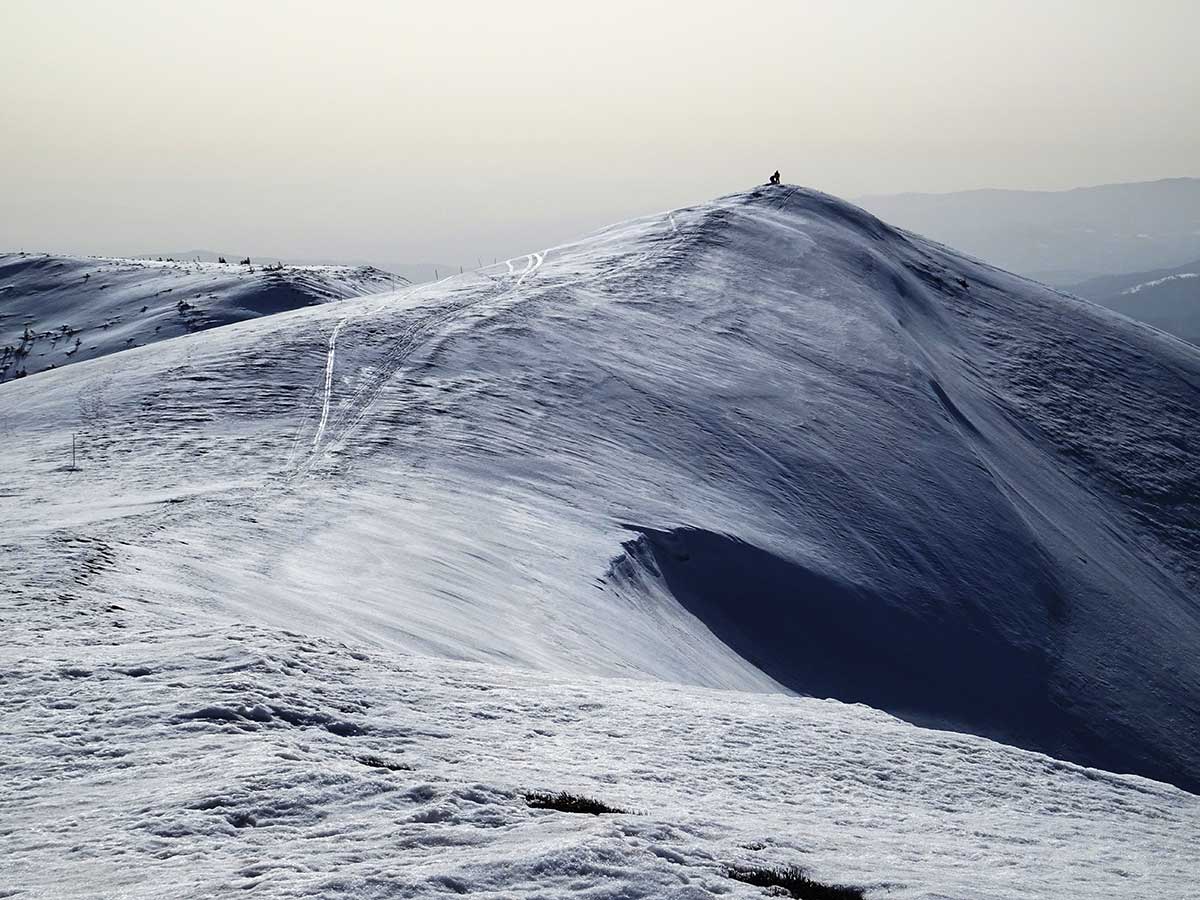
{"points": [[148, 762], [56, 310], [763, 445]]}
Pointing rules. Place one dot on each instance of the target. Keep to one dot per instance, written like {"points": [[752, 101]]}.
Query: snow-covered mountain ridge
{"points": [[56, 310], [764, 444], [982, 492]]}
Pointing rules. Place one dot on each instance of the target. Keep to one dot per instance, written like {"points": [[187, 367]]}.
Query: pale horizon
{"points": [[467, 131]]}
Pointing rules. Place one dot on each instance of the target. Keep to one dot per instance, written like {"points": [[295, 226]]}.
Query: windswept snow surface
{"points": [[759, 446], [243, 761], [56, 310]]}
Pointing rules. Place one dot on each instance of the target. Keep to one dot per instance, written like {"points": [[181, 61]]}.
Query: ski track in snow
{"points": [[416, 336], [421, 329], [328, 382]]}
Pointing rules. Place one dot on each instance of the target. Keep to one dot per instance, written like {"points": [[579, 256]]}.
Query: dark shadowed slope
{"points": [[897, 650], [860, 465]]}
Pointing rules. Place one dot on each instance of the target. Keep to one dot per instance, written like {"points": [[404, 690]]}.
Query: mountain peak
{"points": [[765, 443]]}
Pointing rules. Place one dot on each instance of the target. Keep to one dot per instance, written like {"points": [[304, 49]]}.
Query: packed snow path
{"points": [[765, 444]]}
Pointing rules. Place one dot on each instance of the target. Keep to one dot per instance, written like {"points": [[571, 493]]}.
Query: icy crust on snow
{"points": [[878, 472], [143, 761], [56, 310]]}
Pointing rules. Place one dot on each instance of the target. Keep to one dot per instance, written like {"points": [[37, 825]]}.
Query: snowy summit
{"points": [[797, 538]]}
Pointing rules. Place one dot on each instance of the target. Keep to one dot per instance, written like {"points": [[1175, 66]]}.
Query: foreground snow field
{"points": [[243, 760], [760, 447]]}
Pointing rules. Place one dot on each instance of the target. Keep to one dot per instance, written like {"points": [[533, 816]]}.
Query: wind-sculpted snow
{"points": [[56, 310], [195, 762], [765, 444], [821, 635]]}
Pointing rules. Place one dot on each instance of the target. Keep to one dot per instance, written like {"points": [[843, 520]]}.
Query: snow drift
{"points": [[763, 443]]}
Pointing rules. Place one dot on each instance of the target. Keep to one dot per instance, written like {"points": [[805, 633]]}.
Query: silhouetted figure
{"points": [[775, 177]]}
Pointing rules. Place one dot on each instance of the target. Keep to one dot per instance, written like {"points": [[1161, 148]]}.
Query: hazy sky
{"points": [[442, 130]]}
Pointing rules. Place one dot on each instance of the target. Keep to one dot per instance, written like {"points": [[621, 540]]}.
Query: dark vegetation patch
{"points": [[572, 803], [241, 820], [378, 762], [794, 880], [250, 718]]}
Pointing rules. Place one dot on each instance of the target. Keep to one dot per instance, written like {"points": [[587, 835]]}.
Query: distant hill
{"points": [[56, 310], [1168, 299], [1060, 237]]}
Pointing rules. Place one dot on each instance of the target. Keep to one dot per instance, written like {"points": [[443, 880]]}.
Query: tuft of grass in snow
{"points": [[794, 880], [378, 762], [572, 803]]}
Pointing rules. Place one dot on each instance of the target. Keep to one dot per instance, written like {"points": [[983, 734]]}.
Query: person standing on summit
{"points": [[775, 177]]}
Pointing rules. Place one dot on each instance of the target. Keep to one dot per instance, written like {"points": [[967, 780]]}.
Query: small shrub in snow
{"points": [[572, 803], [378, 762], [794, 881]]}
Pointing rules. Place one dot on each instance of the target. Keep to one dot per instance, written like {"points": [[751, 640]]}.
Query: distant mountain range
{"points": [[1060, 237], [1168, 299]]}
